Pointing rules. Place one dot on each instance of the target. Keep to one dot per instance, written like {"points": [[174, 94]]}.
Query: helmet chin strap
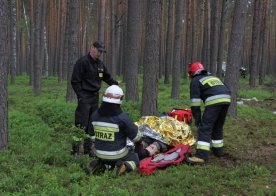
{"points": [[197, 72], [200, 72]]}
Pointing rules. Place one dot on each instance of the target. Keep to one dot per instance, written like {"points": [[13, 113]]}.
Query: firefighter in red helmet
{"points": [[216, 98]]}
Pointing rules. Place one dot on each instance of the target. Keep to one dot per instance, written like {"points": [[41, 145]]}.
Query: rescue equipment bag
{"points": [[174, 156], [181, 115]]}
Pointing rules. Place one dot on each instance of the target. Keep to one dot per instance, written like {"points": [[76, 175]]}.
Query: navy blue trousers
{"points": [[211, 128]]}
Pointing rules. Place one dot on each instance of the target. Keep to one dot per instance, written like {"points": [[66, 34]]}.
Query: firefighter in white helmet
{"points": [[111, 127]]}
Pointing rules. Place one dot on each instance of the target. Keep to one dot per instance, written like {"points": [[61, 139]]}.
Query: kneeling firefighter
{"points": [[216, 98], [111, 127]]}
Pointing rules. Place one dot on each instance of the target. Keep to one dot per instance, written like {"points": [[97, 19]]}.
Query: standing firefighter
{"points": [[88, 74], [111, 128], [216, 98]]}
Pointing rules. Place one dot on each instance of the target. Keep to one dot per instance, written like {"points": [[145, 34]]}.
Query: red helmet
{"points": [[195, 68]]}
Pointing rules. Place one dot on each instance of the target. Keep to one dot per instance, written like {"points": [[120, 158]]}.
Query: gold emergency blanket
{"points": [[172, 131]]}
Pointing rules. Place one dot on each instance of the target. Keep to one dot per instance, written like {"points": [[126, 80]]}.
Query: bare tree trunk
{"points": [[37, 46], [3, 75], [43, 39], [31, 42], [214, 37], [177, 49], [46, 64], [85, 32], [122, 26], [151, 61], [13, 40], [188, 43], [107, 36], [66, 44], [73, 44], [235, 54], [162, 41], [123, 66], [205, 57], [194, 35], [169, 45], [58, 47], [28, 37], [131, 77], [113, 63], [264, 41], [221, 38], [118, 27], [200, 26], [63, 8], [42, 50], [255, 44], [101, 21], [19, 66]]}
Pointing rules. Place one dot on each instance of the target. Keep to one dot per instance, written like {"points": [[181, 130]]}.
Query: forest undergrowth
{"points": [[38, 160]]}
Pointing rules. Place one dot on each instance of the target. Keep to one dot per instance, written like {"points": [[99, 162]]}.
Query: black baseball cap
{"points": [[99, 46]]}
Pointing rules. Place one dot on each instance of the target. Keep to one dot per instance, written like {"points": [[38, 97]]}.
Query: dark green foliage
{"points": [[38, 161]]}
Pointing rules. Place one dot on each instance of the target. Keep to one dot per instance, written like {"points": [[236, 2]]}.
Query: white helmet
{"points": [[113, 94]]}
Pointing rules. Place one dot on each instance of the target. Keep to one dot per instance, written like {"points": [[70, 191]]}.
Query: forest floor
{"points": [[38, 160], [266, 153]]}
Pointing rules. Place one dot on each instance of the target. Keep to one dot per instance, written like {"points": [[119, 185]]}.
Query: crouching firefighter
{"points": [[111, 127], [216, 98]]}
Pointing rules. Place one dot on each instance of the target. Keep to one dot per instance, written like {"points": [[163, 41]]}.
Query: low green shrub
{"points": [[38, 161]]}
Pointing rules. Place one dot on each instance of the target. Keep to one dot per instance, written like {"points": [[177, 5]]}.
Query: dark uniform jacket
{"points": [[111, 133], [209, 90], [88, 75]]}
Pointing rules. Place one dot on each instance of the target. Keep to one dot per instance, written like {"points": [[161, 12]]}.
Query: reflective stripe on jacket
{"points": [[111, 133], [209, 90]]}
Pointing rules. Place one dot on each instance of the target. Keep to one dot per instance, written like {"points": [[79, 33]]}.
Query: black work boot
{"points": [[76, 145], [88, 147], [95, 167], [218, 152]]}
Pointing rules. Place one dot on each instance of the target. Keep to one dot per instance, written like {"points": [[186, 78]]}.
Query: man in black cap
{"points": [[88, 74]]}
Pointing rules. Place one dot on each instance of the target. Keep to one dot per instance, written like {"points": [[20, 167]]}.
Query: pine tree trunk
{"points": [[235, 52], [73, 45], [131, 77], [113, 63], [101, 23], [221, 38], [264, 29], [151, 59], [255, 44], [13, 40], [3, 75], [37, 46], [194, 35], [206, 36], [188, 47], [177, 49], [169, 44], [214, 38], [66, 43], [31, 43]]}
